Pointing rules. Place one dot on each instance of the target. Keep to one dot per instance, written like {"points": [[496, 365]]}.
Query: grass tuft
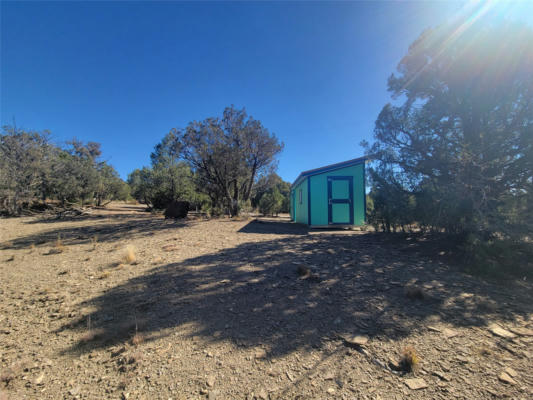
{"points": [[129, 256], [94, 242], [409, 359], [137, 339]]}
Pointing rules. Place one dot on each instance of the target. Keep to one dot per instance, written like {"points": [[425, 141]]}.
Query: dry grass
{"points": [[137, 339], [91, 335], [104, 274], [409, 360], [58, 246], [129, 256], [94, 242]]}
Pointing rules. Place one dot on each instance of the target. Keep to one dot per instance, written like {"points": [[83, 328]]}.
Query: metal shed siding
{"points": [[319, 194], [300, 208]]}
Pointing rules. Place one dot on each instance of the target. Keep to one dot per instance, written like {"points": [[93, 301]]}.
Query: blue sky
{"points": [[125, 73]]}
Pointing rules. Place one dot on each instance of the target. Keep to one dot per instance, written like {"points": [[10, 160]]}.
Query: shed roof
{"points": [[328, 168]]}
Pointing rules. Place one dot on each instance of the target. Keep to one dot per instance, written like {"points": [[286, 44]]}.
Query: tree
{"points": [[23, 158], [32, 169], [461, 139], [170, 178], [228, 155], [109, 186], [268, 183], [271, 203]]}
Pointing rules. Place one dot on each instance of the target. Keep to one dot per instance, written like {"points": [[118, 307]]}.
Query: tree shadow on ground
{"points": [[252, 295], [266, 226], [98, 213], [110, 230]]}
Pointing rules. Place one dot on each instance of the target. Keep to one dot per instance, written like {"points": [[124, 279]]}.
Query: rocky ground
{"points": [[123, 304]]}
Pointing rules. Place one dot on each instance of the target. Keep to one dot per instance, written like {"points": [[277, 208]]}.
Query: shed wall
{"points": [[300, 209], [319, 194]]}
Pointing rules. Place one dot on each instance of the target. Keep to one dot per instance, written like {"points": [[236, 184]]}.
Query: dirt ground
{"points": [[128, 305]]}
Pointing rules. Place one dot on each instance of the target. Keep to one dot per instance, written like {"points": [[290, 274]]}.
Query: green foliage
{"points": [[271, 202], [266, 184], [228, 156], [214, 164], [456, 154], [32, 169], [24, 158], [160, 185]]}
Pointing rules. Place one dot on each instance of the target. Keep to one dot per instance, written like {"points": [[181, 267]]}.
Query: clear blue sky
{"points": [[124, 73]]}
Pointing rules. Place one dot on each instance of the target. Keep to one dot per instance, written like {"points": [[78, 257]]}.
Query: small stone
{"points": [[504, 377], [329, 376], [213, 395], [499, 331], [511, 372], [357, 340], [442, 376], [260, 354], [416, 383], [522, 331], [434, 328], [449, 333], [331, 390], [210, 380], [291, 378], [74, 391], [39, 379], [262, 394]]}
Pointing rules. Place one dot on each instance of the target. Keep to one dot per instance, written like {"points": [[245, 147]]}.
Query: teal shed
{"points": [[330, 195]]}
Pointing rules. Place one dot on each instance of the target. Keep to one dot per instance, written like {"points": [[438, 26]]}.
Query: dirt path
{"points": [[218, 309]]}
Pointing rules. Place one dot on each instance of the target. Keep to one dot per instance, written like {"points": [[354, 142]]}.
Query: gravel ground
{"points": [[122, 304]]}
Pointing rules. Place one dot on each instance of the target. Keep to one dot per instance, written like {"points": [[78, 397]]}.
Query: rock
{"points": [[177, 209], [434, 328], [499, 331], [210, 380], [442, 376], [522, 331], [504, 377], [356, 341], [213, 395], [260, 354], [74, 391], [449, 333], [303, 270], [329, 376], [39, 379], [331, 390], [416, 383], [511, 372], [262, 394]]}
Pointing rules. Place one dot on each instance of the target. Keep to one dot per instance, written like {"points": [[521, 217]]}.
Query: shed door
{"points": [[340, 200]]}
